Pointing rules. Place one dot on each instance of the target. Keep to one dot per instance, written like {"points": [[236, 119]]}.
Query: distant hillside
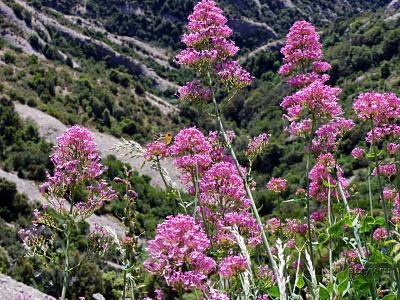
{"points": [[255, 21]]}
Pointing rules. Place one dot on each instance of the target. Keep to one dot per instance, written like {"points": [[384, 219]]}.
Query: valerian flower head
{"points": [[357, 153], [233, 75], [195, 92], [387, 170], [222, 188], [75, 159], [257, 145], [178, 253], [156, 150], [232, 266], [77, 164], [317, 99], [277, 185], [302, 56], [210, 51], [396, 210], [191, 151], [380, 234], [381, 108], [207, 33], [217, 295], [322, 179], [329, 135]]}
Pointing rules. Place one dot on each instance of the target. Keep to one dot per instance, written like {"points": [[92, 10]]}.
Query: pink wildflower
{"points": [[318, 99], [302, 47], [329, 135], [257, 145], [380, 234], [232, 266], [217, 295], [381, 108], [277, 185], [358, 153], [193, 91], [180, 242]]}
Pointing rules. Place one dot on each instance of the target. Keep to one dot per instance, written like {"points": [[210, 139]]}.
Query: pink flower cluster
{"points": [[316, 99], [380, 234], [302, 46], [191, 151], [75, 159], [233, 265], [77, 162], [329, 135], [194, 91], [386, 170], [223, 196], [396, 210], [277, 185], [382, 132], [233, 75], [322, 180], [209, 49], [257, 145], [302, 55], [217, 295], [357, 153], [156, 150], [178, 253], [382, 108]]}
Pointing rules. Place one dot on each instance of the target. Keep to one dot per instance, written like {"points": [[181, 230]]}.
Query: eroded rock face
{"points": [[393, 8], [11, 289]]}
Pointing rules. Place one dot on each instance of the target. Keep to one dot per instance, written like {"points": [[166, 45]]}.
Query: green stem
{"points": [[70, 195], [124, 290], [355, 229], [397, 275], [308, 191], [245, 183], [378, 173], [372, 289], [397, 172], [196, 189], [167, 186], [66, 266], [370, 192], [330, 239]]}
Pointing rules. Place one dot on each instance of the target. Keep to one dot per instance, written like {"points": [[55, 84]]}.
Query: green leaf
{"points": [[389, 297], [343, 287], [380, 221], [300, 281], [328, 185], [273, 291], [323, 292], [367, 224], [336, 229], [343, 276], [323, 238]]}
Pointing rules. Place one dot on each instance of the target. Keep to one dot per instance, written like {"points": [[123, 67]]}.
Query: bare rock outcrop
{"points": [[11, 289]]}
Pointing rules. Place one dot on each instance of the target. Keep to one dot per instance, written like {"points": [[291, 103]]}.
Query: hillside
{"points": [[109, 65]]}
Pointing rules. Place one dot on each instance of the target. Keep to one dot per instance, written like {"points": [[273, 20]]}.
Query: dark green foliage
{"points": [[153, 204], [20, 146], [12, 204], [9, 58]]}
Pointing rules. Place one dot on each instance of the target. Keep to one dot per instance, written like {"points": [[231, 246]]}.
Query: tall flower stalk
{"points": [[77, 167], [209, 51]]}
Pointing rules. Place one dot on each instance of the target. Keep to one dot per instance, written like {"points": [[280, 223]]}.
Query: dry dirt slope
{"points": [[50, 128]]}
